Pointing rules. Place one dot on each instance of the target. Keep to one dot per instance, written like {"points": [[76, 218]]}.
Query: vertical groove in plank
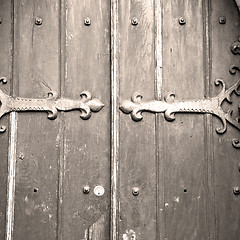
{"points": [[160, 220], [11, 176], [114, 121], [61, 153], [6, 45], [208, 123]]}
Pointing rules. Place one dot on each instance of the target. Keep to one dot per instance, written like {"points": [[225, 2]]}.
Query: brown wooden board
{"points": [[87, 143], [36, 69], [182, 141], [226, 158], [5, 71], [137, 140]]}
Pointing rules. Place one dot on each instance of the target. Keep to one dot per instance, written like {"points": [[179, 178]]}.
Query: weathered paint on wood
{"points": [[5, 71], [225, 157], [87, 143], [137, 140], [36, 54]]}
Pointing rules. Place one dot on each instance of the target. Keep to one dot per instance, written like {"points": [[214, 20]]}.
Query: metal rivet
{"points": [[38, 21], [98, 191], [236, 190], [3, 80], [86, 189], [3, 129], [135, 191], [87, 21], [181, 21], [222, 20], [134, 21]]}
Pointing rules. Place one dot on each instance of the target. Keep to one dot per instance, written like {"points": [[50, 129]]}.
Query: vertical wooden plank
{"points": [[87, 143], [182, 145], [36, 72], [226, 158], [5, 71], [137, 140]]}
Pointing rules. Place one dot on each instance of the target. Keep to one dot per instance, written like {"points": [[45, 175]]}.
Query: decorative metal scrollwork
{"points": [[170, 106], [52, 104]]}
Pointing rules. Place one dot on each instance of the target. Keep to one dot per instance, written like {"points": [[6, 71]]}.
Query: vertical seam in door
{"points": [[158, 95], [61, 141], [11, 175], [209, 155], [13, 129], [114, 120]]}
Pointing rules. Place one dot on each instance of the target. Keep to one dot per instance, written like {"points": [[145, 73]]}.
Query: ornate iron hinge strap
{"points": [[170, 106], [51, 104]]}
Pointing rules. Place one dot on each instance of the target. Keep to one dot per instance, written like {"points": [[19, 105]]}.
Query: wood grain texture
{"points": [[137, 140], [5, 71], [226, 158], [36, 72], [182, 141], [86, 143]]}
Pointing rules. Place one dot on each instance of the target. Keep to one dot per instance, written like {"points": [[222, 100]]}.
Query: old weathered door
{"points": [[119, 119]]}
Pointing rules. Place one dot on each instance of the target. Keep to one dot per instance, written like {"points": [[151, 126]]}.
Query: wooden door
{"points": [[112, 122]]}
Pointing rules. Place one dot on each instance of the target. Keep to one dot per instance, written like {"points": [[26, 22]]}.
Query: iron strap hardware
{"points": [[51, 104], [170, 106]]}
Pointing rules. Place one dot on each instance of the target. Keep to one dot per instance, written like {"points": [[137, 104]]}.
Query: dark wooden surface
{"points": [[184, 170]]}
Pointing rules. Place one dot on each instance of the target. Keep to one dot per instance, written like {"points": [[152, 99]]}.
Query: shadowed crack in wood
{"points": [[170, 106], [52, 104]]}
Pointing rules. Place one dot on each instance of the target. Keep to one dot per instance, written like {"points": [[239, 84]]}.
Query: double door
{"points": [[109, 111]]}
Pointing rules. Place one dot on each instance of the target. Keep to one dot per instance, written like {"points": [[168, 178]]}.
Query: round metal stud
{"points": [[236, 190], [3, 80], [3, 129], [86, 189], [98, 191], [134, 21], [87, 21], [38, 21], [222, 20], [135, 191], [182, 21]]}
